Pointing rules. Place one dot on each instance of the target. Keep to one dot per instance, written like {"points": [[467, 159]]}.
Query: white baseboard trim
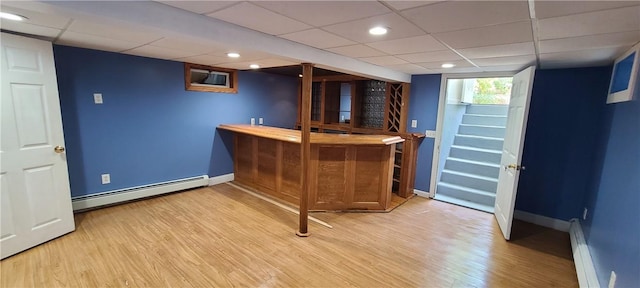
{"points": [[421, 193], [133, 193], [221, 179], [581, 257], [544, 221]]}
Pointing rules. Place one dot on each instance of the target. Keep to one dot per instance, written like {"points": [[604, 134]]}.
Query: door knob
{"points": [[514, 166], [58, 149]]}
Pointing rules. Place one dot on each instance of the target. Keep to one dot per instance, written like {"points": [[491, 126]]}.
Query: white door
{"points": [[35, 198], [510, 165]]}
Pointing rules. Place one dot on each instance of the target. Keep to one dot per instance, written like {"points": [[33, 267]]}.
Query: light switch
{"points": [[260, 121], [430, 134], [97, 98], [414, 123], [253, 121], [106, 178]]}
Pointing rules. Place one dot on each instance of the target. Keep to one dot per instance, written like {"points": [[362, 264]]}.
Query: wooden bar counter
{"points": [[348, 172]]}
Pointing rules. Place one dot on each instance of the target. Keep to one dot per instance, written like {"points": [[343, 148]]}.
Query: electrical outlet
{"points": [[260, 121], [612, 280], [106, 178], [584, 213], [430, 133], [253, 121], [414, 123], [97, 98]]}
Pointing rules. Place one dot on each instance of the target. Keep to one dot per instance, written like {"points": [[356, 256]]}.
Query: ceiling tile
{"points": [[591, 41], [514, 49], [245, 55], [457, 70], [94, 42], [321, 13], [401, 5], [50, 20], [438, 64], [205, 59], [259, 19], [384, 60], [158, 52], [200, 7], [582, 58], [317, 38], [444, 55], [488, 36], [424, 43], [409, 68], [115, 30], [511, 60], [505, 68], [548, 9], [356, 51], [458, 15], [198, 46], [359, 30], [27, 28], [608, 21]]}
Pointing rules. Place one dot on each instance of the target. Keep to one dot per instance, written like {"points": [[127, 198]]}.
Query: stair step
{"points": [[494, 143], [475, 154], [466, 193], [488, 109], [478, 182], [472, 167], [480, 119], [482, 130], [464, 203]]}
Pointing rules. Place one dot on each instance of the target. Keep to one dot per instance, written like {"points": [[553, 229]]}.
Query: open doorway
{"points": [[472, 121]]}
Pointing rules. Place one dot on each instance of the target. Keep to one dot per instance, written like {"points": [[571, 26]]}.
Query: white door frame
{"points": [[440, 122]]}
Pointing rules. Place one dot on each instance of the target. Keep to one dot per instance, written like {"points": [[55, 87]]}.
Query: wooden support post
{"points": [[305, 153]]}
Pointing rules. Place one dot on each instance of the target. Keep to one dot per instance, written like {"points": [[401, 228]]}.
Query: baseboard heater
{"points": [[128, 194], [581, 257]]}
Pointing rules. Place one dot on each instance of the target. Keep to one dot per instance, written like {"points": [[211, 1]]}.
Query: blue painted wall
{"points": [[149, 128], [563, 129], [345, 102], [612, 229], [423, 106]]}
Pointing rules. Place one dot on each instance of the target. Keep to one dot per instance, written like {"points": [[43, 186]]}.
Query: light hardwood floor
{"points": [[219, 236]]}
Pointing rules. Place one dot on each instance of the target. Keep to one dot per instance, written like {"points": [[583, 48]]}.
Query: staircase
{"points": [[470, 174]]}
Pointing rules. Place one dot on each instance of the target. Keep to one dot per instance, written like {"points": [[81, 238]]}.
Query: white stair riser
{"points": [[482, 131], [471, 182], [475, 155], [467, 195], [472, 168], [493, 144], [484, 120], [488, 109]]}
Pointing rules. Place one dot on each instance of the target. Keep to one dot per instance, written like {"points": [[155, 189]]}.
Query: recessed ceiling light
{"points": [[378, 30], [233, 55], [10, 16], [300, 75], [254, 66], [448, 65]]}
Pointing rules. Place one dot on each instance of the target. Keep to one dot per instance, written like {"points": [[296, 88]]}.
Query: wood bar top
{"points": [[293, 136]]}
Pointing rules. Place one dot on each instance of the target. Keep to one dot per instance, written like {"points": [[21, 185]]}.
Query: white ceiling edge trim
{"points": [[165, 17]]}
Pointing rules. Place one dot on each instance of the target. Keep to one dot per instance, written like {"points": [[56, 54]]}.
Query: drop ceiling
{"points": [[476, 36]]}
